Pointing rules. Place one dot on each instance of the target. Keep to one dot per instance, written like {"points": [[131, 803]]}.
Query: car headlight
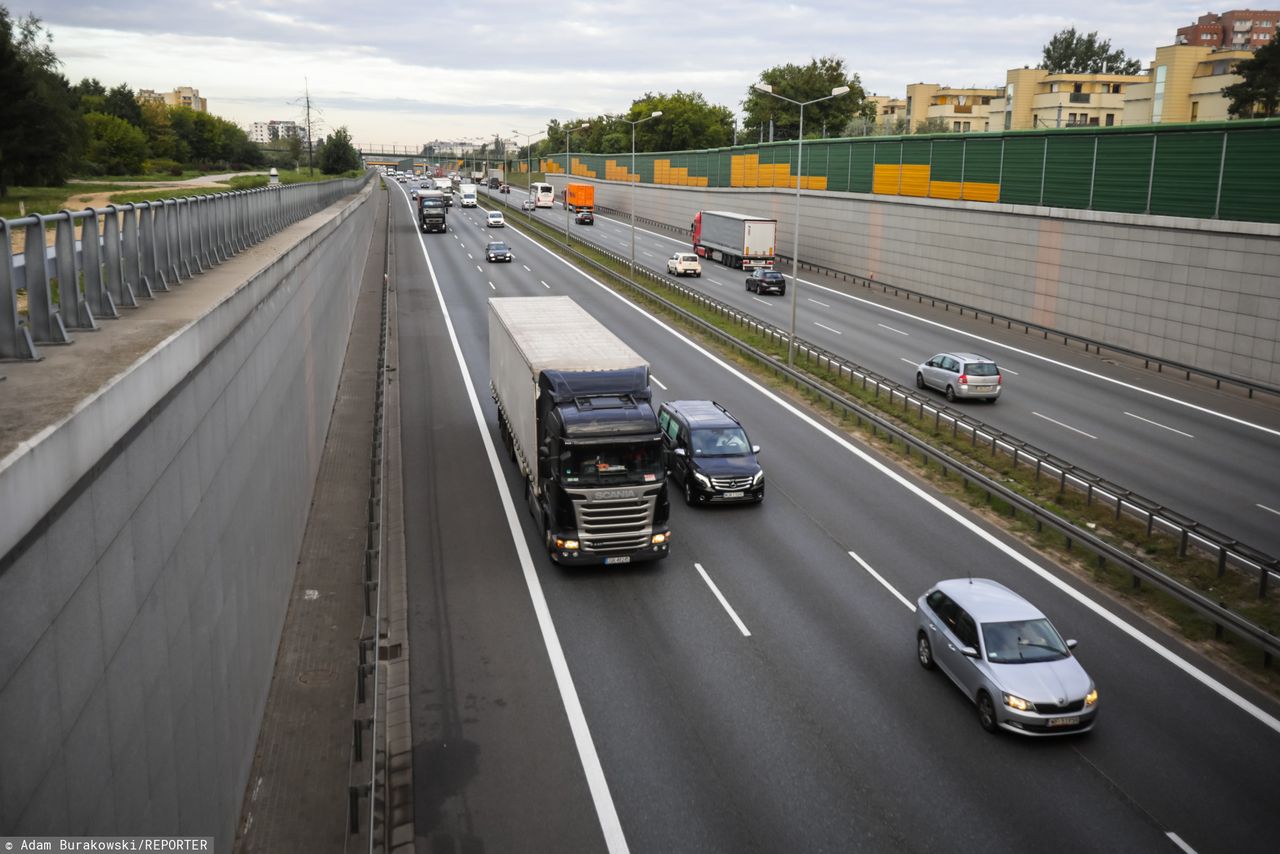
{"points": [[702, 479], [758, 479], [1018, 703], [1092, 697]]}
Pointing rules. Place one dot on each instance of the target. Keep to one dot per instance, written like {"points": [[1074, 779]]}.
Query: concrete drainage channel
{"points": [[1158, 520]]}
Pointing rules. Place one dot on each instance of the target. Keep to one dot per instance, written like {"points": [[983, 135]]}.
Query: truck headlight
{"points": [[702, 480], [567, 545], [659, 539]]}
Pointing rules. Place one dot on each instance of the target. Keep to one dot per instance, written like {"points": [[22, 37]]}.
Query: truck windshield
{"points": [[621, 463]]}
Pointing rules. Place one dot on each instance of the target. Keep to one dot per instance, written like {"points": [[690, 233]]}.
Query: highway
{"points": [[758, 691], [1207, 454]]}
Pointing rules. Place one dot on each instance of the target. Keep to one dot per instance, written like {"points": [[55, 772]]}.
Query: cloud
{"points": [[414, 73]]}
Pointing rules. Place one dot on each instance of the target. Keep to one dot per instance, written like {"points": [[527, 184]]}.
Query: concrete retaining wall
{"points": [[1202, 292], [139, 620]]}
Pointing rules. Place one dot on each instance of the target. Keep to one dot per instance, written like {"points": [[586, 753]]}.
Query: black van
{"points": [[708, 454]]}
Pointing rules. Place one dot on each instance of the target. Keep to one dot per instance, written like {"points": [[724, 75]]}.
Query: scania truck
{"points": [[575, 414], [734, 239]]}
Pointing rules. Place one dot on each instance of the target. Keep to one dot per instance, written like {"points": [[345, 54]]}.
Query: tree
{"points": [[1257, 95], [294, 146], [121, 103], [115, 146], [162, 140], [338, 154], [40, 130], [687, 122], [1068, 52], [805, 83], [935, 124]]}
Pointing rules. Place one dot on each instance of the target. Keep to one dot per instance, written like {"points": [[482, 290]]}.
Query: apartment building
{"points": [[961, 110], [1185, 84], [265, 132], [888, 109], [1239, 29], [1035, 98], [183, 96]]}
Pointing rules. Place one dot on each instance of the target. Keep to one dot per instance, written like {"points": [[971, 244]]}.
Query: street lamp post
{"points": [[795, 256], [635, 179], [528, 157], [567, 174]]}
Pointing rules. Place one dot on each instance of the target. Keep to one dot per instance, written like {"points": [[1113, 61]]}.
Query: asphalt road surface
{"points": [[757, 690]]}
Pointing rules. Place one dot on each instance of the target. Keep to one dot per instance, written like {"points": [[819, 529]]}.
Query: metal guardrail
{"points": [[124, 253], [1190, 533], [1090, 344]]}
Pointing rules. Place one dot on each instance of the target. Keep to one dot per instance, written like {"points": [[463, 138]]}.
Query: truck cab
{"points": [[431, 211]]}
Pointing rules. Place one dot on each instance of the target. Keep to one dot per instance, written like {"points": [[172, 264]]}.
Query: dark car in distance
{"points": [[708, 453], [497, 251], [584, 218], [767, 282]]}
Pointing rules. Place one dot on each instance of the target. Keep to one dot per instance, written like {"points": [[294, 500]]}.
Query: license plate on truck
{"points": [[619, 559]]}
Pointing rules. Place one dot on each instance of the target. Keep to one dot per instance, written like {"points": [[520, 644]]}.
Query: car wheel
{"points": [[951, 394], [987, 712], [688, 493], [782, 291], [991, 400], [698, 275], [919, 380], [924, 652], [748, 284]]}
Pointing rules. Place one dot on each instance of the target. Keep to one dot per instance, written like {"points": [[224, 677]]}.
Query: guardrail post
{"points": [[71, 303], [135, 270], [114, 251], [43, 319], [150, 252], [96, 293], [15, 338]]}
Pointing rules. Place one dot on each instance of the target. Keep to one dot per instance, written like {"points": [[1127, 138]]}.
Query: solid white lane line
{"points": [[491, 285], [1135, 634], [658, 381], [1177, 840], [887, 586], [606, 810], [544, 284], [1158, 424], [891, 329], [723, 601], [828, 328], [765, 301], [1005, 370], [1086, 372], [526, 268], [815, 302], [1060, 424], [908, 361], [1268, 509]]}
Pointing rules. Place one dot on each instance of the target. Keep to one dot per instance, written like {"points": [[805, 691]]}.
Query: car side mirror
{"points": [[1072, 643], [755, 449], [969, 652], [680, 452]]}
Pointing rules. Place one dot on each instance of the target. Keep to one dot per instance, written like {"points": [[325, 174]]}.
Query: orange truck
{"points": [[580, 197]]}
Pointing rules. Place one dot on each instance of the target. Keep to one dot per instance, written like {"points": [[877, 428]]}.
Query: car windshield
{"points": [[981, 369], [620, 463], [497, 247], [1023, 642], [720, 442]]}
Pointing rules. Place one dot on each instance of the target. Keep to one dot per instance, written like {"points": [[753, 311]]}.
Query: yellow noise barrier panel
{"points": [[913, 180], [614, 172], [746, 170], [665, 173]]}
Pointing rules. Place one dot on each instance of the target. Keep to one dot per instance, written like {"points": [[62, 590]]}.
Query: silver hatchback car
{"points": [[1006, 657], [961, 375]]}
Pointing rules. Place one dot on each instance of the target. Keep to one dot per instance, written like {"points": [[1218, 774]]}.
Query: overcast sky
{"points": [[406, 74]]}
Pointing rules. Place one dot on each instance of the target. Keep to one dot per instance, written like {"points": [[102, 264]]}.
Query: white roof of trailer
{"points": [[555, 333]]}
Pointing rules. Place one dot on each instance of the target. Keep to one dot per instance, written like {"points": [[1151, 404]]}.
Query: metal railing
{"points": [[1190, 534], [107, 259]]}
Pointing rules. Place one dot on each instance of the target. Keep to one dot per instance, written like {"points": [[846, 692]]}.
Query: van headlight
{"points": [[758, 479], [702, 480]]}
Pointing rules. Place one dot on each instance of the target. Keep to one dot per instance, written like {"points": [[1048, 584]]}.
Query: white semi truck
{"points": [[575, 414], [734, 239]]}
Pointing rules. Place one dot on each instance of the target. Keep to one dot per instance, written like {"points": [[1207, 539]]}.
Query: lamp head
{"points": [[839, 90], [763, 87]]}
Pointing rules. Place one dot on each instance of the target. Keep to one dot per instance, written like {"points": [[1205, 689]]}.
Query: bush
{"points": [[162, 166]]}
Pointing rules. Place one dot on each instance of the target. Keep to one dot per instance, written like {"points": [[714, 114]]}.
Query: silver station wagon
{"points": [[1006, 657], [961, 375]]}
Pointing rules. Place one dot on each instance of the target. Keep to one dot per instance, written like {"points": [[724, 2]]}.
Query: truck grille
{"points": [[614, 525], [730, 484]]}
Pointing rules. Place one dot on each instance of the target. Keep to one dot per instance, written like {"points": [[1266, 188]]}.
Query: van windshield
{"points": [[719, 442]]}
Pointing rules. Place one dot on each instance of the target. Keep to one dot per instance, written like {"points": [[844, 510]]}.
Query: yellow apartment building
{"points": [[1035, 98], [1185, 84], [963, 110]]}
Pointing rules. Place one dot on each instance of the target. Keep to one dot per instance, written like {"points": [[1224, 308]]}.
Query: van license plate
{"points": [[620, 559], [1064, 721], [732, 494]]}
